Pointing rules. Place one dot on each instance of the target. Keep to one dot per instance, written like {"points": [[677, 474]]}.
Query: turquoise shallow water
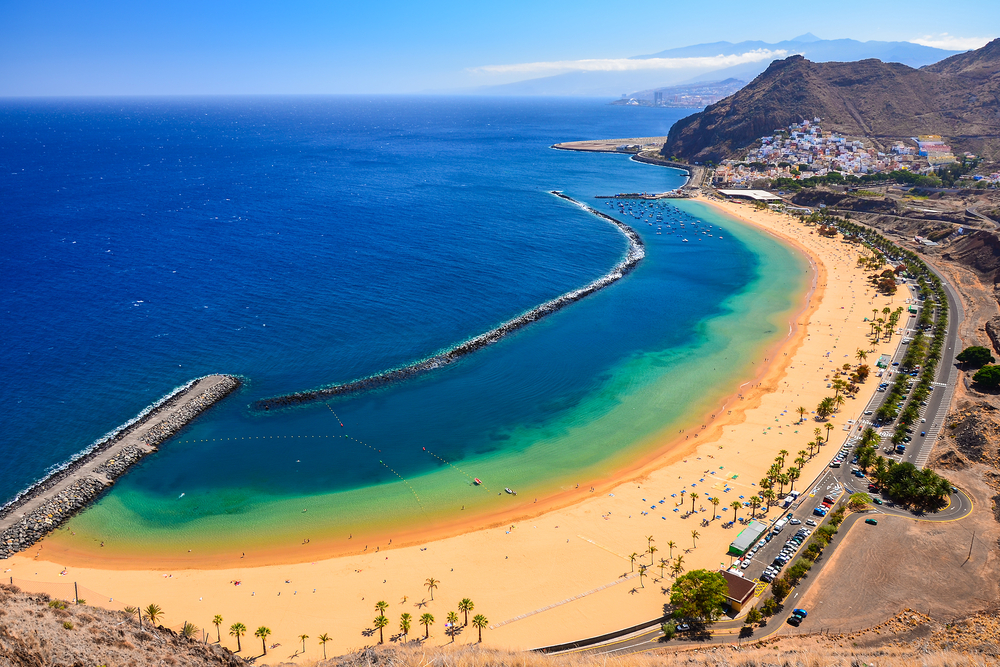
{"points": [[299, 242]]}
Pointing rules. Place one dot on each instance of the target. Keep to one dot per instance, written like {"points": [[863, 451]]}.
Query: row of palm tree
{"points": [[465, 605]]}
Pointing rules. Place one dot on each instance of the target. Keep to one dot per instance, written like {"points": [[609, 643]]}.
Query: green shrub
{"points": [[987, 377], [975, 356]]}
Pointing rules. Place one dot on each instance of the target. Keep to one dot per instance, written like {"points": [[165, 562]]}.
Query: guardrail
{"points": [[600, 639]]}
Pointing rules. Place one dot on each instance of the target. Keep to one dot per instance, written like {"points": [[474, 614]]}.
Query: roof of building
{"points": [[748, 536], [759, 195], [739, 588]]}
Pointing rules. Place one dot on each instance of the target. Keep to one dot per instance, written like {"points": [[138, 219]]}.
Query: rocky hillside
{"points": [[957, 97], [37, 631]]}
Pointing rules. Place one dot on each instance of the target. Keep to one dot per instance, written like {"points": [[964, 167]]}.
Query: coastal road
{"points": [[838, 482]]}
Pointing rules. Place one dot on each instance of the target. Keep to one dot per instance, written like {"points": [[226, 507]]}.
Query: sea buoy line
{"points": [[349, 437], [335, 415], [449, 463], [636, 251]]}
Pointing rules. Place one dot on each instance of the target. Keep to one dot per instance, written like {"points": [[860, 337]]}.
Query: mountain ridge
{"points": [[956, 97], [615, 83]]}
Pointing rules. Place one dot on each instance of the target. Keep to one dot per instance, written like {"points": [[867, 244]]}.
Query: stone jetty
{"points": [[41, 508], [636, 251]]}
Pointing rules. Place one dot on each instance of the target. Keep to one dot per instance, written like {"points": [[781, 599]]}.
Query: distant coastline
{"points": [[636, 251]]}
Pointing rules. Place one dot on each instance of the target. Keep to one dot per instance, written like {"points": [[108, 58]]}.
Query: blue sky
{"points": [[58, 47]]}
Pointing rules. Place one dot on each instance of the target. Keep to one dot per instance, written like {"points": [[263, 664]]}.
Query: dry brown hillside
{"points": [[957, 98], [37, 631]]}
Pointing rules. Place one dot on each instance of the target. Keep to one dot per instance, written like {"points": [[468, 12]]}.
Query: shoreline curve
{"points": [[635, 253]]}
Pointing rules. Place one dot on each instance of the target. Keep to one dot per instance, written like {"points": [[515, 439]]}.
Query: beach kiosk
{"points": [[883, 361], [747, 537]]}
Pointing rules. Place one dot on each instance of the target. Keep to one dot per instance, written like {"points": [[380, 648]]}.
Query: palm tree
{"points": [[838, 384], [802, 413], [217, 621], [323, 639], [632, 556], [754, 504], [642, 573], [452, 619], [380, 622], [480, 622], [431, 584], [818, 432], [861, 355], [404, 625], [694, 537], [782, 480], [736, 505], [663, 564], [838, 401], [694, 497], [188, 630], [649, 541], [262, 632], [802, 456], [793, 474], [769, 496], [678, 566], [427, 620], [651, 550], [134, 610], [715, 504], [303, 638], [828, 427], [465, 605], [238, 630], [783, 453], [670, 545], [381, 606], [153, 613]]}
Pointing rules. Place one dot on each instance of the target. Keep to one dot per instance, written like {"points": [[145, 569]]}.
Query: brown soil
{"points": [[34, 633], [907, 563]]}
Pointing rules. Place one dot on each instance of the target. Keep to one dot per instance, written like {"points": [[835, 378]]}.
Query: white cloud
{"points": [[951, 42], [632, 64]]}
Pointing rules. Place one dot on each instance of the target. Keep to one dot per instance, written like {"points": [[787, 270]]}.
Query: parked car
{"points": [[871, 522], [794, 522], [810, 522]]}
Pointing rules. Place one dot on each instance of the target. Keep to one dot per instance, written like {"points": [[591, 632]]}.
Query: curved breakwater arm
{"points": [[636, 251], [66, 490]]}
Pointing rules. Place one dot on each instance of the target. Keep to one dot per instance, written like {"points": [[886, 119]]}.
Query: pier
{"points": [[44, 506]]}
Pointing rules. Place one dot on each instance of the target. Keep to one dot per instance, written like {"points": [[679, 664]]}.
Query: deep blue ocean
{"points": [[299, 242]]}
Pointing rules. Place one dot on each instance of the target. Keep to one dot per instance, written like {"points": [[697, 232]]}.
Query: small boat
{"points": [[477, 481], [685, 240], [510, 492]]}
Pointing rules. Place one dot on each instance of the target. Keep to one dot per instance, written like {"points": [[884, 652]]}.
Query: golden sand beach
{"points": [[558, 575]]}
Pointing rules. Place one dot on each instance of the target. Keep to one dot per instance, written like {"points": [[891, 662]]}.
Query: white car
{"points": [[794, 522], [745, 565]]}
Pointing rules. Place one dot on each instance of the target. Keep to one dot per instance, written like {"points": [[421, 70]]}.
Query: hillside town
{"points": [[804, 149]]}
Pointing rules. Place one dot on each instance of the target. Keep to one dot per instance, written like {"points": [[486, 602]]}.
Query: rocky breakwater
{"points": [[44, 506], [633, 255]]}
